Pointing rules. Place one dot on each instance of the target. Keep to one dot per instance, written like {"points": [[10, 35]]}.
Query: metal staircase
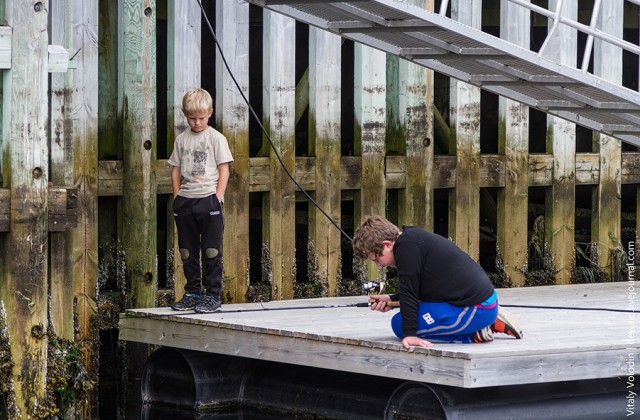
{"points": [[457, 50]]}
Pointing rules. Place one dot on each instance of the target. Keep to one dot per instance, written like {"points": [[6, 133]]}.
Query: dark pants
{"points": [[200, 224]]}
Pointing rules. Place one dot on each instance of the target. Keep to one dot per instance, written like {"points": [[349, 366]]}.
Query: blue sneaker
{"points": [[187, 303]]}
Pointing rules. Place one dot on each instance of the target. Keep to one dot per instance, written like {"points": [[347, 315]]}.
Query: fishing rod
{"points": [[375, 288]]}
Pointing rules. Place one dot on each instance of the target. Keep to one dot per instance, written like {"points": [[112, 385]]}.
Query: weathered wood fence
{"points": [[84, 157]]}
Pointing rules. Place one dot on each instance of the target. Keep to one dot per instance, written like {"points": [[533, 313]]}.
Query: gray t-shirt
{"points": [[198, 156]]}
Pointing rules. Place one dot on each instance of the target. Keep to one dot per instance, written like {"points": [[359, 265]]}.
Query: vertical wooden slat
{"points": [[24, 286], [61, 126], [110, 84], [324, 132], [139, 151], [561, 143], [513, 142], [183, 73], [279, 113], [370, 128], [605, 223], [84, 237], [416, 101], [464, 201], [232, 116]]}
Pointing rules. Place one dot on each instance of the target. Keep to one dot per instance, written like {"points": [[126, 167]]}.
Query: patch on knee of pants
{"points": [[211, 252], [214, 213], [184, 254]]}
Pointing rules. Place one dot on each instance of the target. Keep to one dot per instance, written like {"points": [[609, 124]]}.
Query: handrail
{"points": [[591, 30]]}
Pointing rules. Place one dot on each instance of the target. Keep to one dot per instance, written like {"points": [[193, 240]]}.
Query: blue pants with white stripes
{"points": [[441, 322]]}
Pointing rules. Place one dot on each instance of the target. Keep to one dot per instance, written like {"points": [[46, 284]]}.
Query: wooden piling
{"points": [[370, 132], [24, 283], [605, 224], [138, 115], [416, 115], [184, 72], [561, 144], [324, 134], [513, 142], [61, 129], [232, 118], [279, 113], [464, 200]]}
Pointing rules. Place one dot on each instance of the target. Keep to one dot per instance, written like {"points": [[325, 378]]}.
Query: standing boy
{"points": [[445, 295], [199, 177]]}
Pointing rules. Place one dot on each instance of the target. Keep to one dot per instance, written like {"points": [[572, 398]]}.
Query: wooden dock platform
{"points": [[573, 332]]}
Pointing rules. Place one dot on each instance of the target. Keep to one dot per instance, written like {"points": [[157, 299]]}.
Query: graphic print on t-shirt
{"points": [[199, 163]]}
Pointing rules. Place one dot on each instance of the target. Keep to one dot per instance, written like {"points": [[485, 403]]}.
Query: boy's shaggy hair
{"points": [[196, 102], [369, 236]]}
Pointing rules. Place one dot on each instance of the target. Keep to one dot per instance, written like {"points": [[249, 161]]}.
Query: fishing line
{"points": [[569, 308], [264, 130], [277, 154]]}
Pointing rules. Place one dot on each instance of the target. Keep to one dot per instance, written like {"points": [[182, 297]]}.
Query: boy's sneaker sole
{"points": [[506, 324]]}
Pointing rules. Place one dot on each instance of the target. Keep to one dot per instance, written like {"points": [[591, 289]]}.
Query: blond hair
{"points": [[196, 101], [369, 236]]}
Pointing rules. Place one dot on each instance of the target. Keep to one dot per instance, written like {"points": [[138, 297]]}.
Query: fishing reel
{"points": [[373, 287], [377, 288]]}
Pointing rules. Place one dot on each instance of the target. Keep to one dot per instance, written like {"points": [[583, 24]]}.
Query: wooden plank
{"points": [[139, 233], [5, 47], [540, 170], [353, 339], [61, 149], [84, 237], [587, 168], [324, 133], [464, 200], [370, 120], [24, 272], [513, 142], [370, 132], [279, 111], [416, 119], [561, 143], [184, 38], [630, 173], [607, 204], [232, 116], [492, 172]]}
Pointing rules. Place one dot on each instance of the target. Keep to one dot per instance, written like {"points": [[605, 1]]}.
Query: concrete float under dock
{"points": [[574, 333]]}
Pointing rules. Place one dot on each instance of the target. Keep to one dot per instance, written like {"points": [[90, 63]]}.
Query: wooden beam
{"points": [[416, 116], [279, 111], [184, 56], [61, 149], [24, 273], [464, 201], [232, 118], [607, 195], [138, 115], [83, 240], [513, 142], [370, 132], [561, 143], [492, 172], [324, 133], [5, 47]]}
